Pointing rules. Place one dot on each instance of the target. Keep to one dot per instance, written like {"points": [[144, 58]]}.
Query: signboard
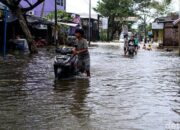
{"points": [[129, 19], [157, 25]]}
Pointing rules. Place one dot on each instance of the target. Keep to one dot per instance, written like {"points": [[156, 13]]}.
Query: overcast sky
{"points": [[175, 5], [82, 6]]}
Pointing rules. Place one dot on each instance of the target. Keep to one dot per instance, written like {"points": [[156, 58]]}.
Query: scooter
{"points": [[65, 63], [131, 50]]}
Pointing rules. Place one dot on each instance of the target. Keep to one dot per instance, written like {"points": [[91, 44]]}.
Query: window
{"points": [[60, 2]]}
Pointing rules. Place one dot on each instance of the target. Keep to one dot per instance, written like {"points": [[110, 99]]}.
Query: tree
{"points": [[161, 8], [61, 15], [150, 9], [15, 6], [115, 9]]}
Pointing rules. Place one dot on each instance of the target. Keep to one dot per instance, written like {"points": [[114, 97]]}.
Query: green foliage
{"points": [[113, 9], [118, 8], [149, 10], [103, 35], [121, 9], [60, 14], [161, 8]]}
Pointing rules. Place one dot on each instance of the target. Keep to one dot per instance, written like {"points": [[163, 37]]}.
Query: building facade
{"points": [[46, 7], [164, 31]]}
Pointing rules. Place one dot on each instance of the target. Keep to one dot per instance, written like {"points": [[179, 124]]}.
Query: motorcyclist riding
{"points": [[131, 45], [131, 40], [125, 44], [136, 43]]}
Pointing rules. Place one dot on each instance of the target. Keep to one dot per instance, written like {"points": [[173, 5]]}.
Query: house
{"points": [[177, 23], [164, 31], [158, 28], [46, 7], [39, 27], [94, 31]]}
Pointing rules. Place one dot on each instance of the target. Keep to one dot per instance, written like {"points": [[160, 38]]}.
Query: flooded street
{"points": [[140, 93]]}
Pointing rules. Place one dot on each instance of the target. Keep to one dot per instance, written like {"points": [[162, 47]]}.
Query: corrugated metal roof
{"points": [[176, 21], [2, 5]]}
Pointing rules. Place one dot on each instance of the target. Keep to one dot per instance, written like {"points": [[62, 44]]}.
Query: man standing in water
{"points": [[82, 51], [125, 44]]}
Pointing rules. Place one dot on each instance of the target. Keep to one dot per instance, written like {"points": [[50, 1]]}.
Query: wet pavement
{"points": [[140, 93]]}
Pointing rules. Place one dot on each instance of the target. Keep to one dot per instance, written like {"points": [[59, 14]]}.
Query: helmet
{"points": [[81, 31]]}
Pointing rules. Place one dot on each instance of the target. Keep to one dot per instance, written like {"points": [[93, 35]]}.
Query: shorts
{"points": [[84, 64]]}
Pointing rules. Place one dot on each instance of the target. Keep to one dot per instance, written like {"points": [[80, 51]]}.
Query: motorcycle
{"points": [[65, 63], [131, 50]]}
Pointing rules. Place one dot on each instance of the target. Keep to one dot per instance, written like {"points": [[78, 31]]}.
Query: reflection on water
{"points": [[141, 93]]}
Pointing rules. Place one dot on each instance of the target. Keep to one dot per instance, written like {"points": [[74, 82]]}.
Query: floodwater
{"points": [[140, 93]]}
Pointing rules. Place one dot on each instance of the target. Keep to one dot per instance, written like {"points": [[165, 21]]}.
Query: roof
{"points": [[68, 24], [84, 15], [1, 6], [88, 19], [176, 21], [160, 19], [166, 21], [37, 20]]}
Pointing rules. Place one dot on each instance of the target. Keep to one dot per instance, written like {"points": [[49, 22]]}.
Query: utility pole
{"points": [[179, 36], [55, 31], [179, 28], [179, 8], [89, 22], [5, 31], [98, 26]]}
